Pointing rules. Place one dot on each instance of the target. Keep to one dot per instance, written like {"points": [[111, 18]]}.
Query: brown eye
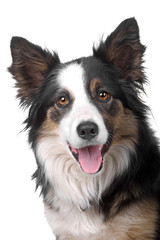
{"points": [[62, 101], [103, 96]]}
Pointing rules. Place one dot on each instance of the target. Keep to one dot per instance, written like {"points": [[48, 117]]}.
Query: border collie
{"points": [[98, 161]]}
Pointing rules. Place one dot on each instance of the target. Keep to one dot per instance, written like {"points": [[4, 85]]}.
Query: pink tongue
{"points": [[90, 158]]}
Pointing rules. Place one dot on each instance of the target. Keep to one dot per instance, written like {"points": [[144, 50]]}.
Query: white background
{"points": [[70, 27]]}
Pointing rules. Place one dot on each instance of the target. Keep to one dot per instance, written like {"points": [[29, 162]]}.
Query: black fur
{"points": [[118, 63]]}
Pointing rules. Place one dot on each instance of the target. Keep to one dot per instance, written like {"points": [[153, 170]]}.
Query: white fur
{"points": [[76, 225], [72, 78], [73, 189]]}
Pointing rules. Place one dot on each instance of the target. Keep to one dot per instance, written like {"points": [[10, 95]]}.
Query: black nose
{"points": [[87, 130]]}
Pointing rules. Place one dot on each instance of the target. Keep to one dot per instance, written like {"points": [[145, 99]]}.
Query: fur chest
{"points": [[69, 222]]}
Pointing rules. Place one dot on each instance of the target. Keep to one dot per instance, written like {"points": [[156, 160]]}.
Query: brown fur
{"points": [[137, 222], [94, 84], [119, 120], [120, 202], [48, 127], [126, 54], [30, 64]]}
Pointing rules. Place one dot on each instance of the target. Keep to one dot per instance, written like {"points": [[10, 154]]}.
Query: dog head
{"points": [[88, 105]]}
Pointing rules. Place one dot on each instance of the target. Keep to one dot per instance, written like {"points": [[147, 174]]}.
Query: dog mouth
{"points": [[90, 158]]}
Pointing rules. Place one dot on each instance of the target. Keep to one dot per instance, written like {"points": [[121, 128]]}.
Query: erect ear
{"points": [[29, 67], [124, 50]]}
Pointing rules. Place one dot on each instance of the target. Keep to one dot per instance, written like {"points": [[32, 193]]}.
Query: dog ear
{"points": [[29, 67], [124, 50]]}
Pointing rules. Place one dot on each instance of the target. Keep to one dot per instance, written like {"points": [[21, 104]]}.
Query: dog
{"points": [[98, 160]]}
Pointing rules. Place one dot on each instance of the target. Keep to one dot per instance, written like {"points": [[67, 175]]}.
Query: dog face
{"points": [[97, 158], [83, 127], [88, 105]]}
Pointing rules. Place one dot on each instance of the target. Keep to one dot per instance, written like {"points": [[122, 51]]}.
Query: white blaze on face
{"points": [[72, 78]]}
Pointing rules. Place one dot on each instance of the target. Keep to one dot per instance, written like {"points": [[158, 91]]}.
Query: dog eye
{"points": [[62, 102], [103, 96]]}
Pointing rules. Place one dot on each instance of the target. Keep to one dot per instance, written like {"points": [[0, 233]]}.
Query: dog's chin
{"points": [[90, 158]]}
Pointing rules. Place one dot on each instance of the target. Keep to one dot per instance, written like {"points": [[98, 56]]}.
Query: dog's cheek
{"points": [[56, 114], [51, 124], [121, 122]]}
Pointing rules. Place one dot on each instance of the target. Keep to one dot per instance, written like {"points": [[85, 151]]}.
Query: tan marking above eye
{"points": [[95, 83]]}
